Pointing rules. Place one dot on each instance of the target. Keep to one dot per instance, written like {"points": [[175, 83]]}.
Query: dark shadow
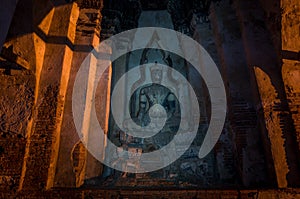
{"points": [[7, 8], [154, 4], [291, 55]]}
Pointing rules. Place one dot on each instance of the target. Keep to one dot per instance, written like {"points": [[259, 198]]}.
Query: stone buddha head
{"points": [[156, 73]]}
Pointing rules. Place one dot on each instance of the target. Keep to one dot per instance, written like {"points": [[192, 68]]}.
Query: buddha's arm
{"points": [[171, 103], [142, 105]]}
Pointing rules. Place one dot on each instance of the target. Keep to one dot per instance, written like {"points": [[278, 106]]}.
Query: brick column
{"points": [[261, 59], [290, 34], [75, 164], [242, 135], [43, 137]]}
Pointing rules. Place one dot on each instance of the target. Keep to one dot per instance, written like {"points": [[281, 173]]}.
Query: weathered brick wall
{"points": [[39, 147], [16, 104]]}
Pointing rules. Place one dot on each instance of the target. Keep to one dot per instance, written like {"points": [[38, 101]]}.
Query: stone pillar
{"points": [[262, 62], [242, 132], [290, 34], [75, 164], [43, 138]]}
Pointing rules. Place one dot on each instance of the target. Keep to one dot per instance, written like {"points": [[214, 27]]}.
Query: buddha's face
{"points": [[156, 76]]}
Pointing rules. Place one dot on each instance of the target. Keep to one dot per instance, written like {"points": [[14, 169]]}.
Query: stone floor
{"points": [[157, 194]]}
